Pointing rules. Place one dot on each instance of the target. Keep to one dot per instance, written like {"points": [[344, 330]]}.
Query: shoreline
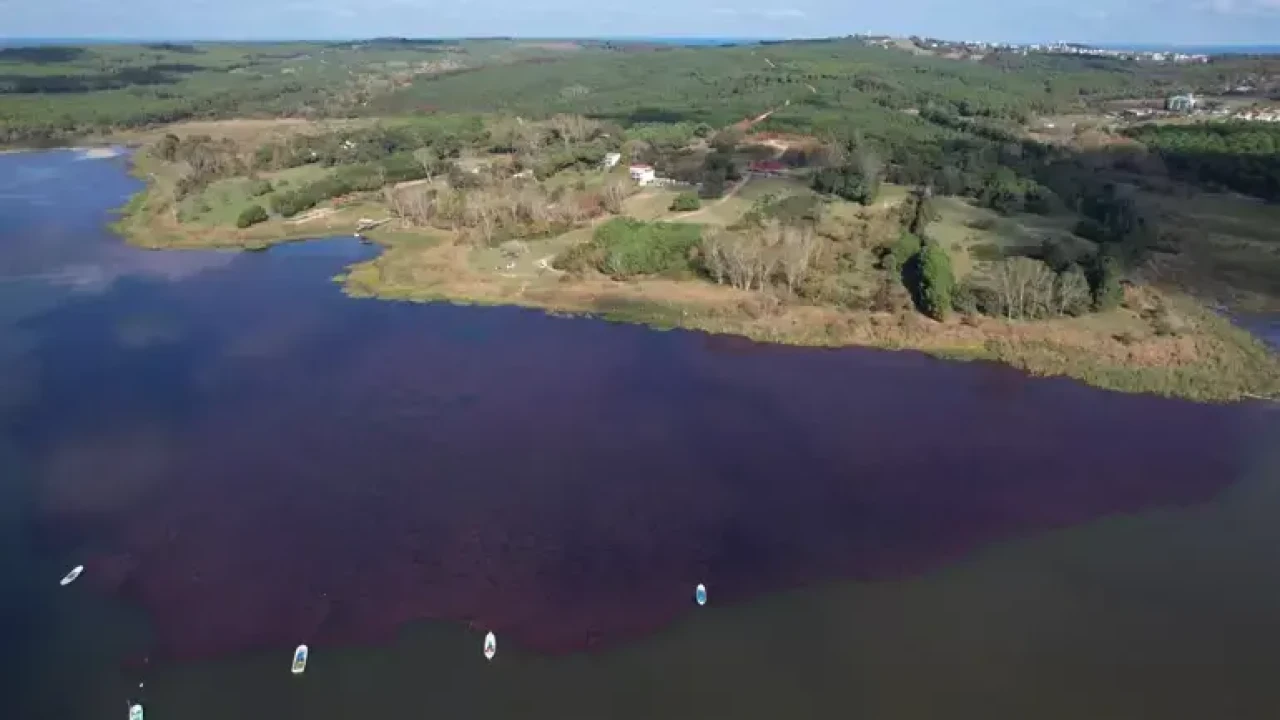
{"points": [[1217, 361]]}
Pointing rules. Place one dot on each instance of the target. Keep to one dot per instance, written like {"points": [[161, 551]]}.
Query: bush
{"points": [[936, 281], [1056, 254], [1104, 283], [964, 299], [1042, 201], [1003, 191], [258, 187], [686, 201], [848, 182], [167, 148], [623, 247], [347, 179], [251, 215], [1091, 229], [897, 255], [713, 186]]}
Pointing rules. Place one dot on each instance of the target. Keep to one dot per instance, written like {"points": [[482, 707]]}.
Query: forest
{"points": [[1239, 156], [53, 95]]}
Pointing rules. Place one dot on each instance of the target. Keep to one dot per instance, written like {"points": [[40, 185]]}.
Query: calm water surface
{"points": [[245, 460]]}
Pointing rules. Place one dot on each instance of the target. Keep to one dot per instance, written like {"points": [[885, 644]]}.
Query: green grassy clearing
{"points": [[976, 235], [222, 201]]}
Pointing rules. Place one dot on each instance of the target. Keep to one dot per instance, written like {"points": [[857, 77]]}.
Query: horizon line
{"points": [[120, 39]]}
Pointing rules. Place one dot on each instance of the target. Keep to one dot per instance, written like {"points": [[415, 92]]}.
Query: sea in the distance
{"points": [[1203, 49], [244, 459]]}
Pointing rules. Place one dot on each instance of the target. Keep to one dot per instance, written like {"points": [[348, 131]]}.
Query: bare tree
{"points": [[1024, 288], [613, 193], [868, 162], [747, 259], [798, 243], [482, 212], [573, 128], [833, 152], [731, 257], [742, 258], [713, 253], [451, 208], [430, 161], [394, 201], [1071, 292]]}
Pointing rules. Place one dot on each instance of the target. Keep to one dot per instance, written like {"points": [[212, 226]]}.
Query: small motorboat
{"points": [[700, 594], [300, 659], [490, 646], [135, 711], [73, 575]]}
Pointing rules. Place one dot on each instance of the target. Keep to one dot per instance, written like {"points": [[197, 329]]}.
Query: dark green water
{"points": [[244, 459]]}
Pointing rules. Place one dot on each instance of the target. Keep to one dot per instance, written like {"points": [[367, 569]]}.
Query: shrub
{"points": [[1056, 254], [1042, 201], [965, 300], [259, 186], [900, 252], [251, 215], [1104, 283], [347, 179], [1091, 229], [1071, 292], [167, 148], [623, 247], [936, 281], [713, 186], [686, 201], [848, 182], [1003, 191]]}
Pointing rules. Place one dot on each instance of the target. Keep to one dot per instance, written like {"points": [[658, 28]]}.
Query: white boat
{"points": [[135, 711], [700, 594], [490, 646], [71, 576], [300, 659]]}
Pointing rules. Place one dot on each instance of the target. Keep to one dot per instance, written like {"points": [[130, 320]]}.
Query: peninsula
{"points": [[996, 205]]}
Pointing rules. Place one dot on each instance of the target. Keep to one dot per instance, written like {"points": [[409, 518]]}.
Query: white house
{"points": [[611, 159], [643, 174]]}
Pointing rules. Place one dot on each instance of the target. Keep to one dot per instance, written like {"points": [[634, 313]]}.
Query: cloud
{"points": [[783, 13]]}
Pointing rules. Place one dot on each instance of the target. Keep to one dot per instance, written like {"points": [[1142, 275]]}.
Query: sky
{"points": [[1089, 21]]}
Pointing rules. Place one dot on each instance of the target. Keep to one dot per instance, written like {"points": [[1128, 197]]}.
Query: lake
{"points": [[244, 459]]}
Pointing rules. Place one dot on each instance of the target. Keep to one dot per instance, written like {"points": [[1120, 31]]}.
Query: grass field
{"points": [[1228, 250], [975, 235], [221, 202]]}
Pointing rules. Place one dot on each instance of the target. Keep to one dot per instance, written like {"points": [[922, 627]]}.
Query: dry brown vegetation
{"points": [[814, 276], [502, 209], [749, 258]]}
